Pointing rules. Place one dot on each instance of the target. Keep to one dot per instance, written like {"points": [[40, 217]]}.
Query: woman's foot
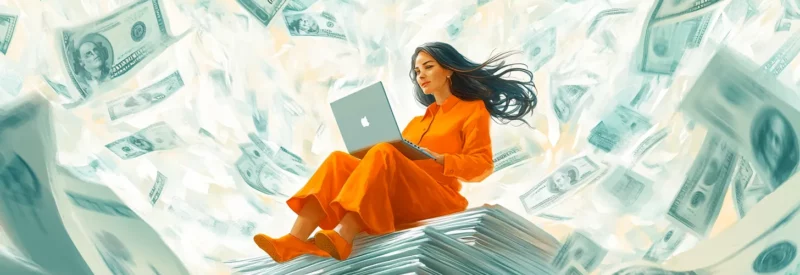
{"points": [[331, 242], [287, 247]]}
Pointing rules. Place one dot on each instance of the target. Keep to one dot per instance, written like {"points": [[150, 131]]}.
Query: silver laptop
{"points": [[365, 118]]}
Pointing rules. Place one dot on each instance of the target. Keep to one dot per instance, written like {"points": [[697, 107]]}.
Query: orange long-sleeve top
{"points": [[459, 130]]}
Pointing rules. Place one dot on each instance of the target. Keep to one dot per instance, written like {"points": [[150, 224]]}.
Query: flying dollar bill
{"points": [[748, 188], [567, 100], [299, 5], [156, 137], [663, 45], [456, 25], [541, 48], [777, 63], [125, 243], [306, 23], [102, 54], [666, 246], [763, 242], [700, 198], [644, 268], [648, 144], [602, 15], [672, 27], [145, 98], [616, 129], [29, 212], [87, 172], [570, 176], [782, 25], [263, 10], [581, 249], [736, 99], [8, 23], [268, 168], [509, 157], [624, 189], [258, 171], [158, 187]]}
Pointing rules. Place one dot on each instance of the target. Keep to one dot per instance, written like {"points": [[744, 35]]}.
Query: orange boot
{"points": [[287, 247], [331, 242]]}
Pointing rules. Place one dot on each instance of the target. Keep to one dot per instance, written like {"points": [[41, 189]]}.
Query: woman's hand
{"points": [[436, 156]]}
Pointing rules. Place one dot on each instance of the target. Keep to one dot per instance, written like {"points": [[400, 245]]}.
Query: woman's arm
{"points": [[474, 163]]}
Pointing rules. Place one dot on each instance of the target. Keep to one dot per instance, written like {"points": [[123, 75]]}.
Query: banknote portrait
{"points": [[18, 183], [774, 145], [91, 60], [141, 143], [563, 179], [302, 24]]}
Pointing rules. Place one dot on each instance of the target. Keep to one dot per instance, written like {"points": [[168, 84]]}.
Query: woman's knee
{"points": [[382, 152], [337, 156], [383, 147]]}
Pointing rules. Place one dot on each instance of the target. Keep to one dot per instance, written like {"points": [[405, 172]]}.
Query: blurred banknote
{"points": [[764, 242], [644, 268], [666, 246], [269, 168], [29, 211], [17, 265], [734, 98], [570, 176], [299, 5], [648, 143], [700, 198], [616, 129], [748, 188], [156, 137], [456, 25], [778, 62], [307, 23], [8, 23], [567, 100], [158, 187], [624, 190], [125, 242], [263, 10], [145, 98], [673, 26], [102, 54], [510, 157], [603, 15], [541, 48], [579, 249], [88, 172]]}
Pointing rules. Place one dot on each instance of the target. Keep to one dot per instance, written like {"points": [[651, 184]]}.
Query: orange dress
{"points": [[386, 189]]}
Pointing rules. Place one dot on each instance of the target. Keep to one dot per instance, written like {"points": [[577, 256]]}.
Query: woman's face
{"points": [[430, 75]]}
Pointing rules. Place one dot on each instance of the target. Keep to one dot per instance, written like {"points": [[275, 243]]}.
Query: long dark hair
{"points": [[505, 99]]}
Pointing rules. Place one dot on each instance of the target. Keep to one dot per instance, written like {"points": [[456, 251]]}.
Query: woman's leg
{"points": [[308, 219], [386, 188], [311, 206], [312, 202]]}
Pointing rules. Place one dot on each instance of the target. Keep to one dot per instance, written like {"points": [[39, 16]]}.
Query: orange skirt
{"points": [[383, 189]]}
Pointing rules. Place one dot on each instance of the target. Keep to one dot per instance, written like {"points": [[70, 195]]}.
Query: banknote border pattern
{"points": [[12, 25]]}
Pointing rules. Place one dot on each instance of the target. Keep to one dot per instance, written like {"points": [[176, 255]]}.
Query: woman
{"points": [[346, 195]]}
